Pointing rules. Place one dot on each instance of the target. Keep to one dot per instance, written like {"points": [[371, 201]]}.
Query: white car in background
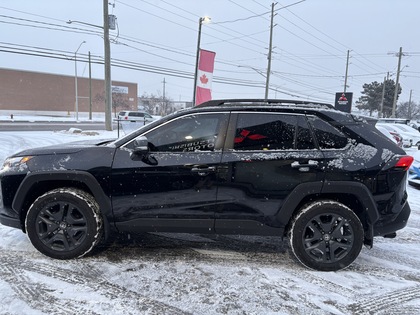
{"points": [[414, 133], [136, 116], [409, 138], [393, 136]]}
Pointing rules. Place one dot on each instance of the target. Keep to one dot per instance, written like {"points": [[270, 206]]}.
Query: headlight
{"points": [[16, 163]]}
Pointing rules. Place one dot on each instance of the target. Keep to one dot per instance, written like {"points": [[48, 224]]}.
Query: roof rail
{"points": [[233, 102]]}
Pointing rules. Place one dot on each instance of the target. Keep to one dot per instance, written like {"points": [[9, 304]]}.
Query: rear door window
{"points": [[272, 131]]}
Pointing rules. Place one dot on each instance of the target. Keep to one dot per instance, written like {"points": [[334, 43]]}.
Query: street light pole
{"points": [[75, 80], [200, 23]]}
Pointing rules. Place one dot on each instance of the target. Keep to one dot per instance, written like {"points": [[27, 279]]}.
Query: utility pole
{"points": [[164, 84], [107, 53], [267, 82], [90, 89], [347, 69], [394, 103], [409, 105], [381, 112], [164, 105]]}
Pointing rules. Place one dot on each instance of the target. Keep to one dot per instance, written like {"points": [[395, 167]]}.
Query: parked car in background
{"points": [[415, 135], [393, 121], [136, 116], [392, 135], [408, 138], [414, 171], [414, 124]]}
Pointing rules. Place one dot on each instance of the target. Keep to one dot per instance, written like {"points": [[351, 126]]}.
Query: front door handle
{"points": [[203, 170]]}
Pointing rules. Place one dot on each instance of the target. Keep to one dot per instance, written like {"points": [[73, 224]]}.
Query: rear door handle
{"points": [[304, 167]]}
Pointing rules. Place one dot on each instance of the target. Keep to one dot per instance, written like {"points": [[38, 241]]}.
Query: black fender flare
{"points": [[360, 191], [295, 198], [37, 178]]}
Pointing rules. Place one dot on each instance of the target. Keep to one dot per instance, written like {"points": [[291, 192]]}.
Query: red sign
{"points": [[343, 101]]}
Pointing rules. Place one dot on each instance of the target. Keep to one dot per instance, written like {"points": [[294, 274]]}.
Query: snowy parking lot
{"points": [[202, 274]]}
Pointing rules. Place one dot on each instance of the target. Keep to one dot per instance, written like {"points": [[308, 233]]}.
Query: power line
{"points": [[37, 15], [67, 55]]}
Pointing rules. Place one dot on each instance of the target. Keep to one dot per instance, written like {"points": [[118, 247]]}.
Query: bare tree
{"points": [[156, 104], [119, 100], [408, 110]]}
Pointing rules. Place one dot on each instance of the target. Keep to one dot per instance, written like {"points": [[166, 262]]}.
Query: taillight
{"points": [[404, 162]]}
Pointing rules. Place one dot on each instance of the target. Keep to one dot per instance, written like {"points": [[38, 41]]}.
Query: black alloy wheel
{"points": [[326, 235], [64, 223]]}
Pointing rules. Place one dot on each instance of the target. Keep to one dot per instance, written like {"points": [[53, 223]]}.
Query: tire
{"points": [[64, 223], [326, 236]]}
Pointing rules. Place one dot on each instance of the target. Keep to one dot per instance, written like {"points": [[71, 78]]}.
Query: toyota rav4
{"points": [[323, 179]]}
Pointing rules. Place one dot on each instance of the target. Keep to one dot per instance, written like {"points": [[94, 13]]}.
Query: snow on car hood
{"points": [[65, 148]]}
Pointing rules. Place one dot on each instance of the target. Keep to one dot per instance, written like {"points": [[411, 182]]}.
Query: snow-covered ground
{"points": [[199, 274]]}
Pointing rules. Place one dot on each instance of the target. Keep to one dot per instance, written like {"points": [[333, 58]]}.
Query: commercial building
{"points": [[25, 91]]}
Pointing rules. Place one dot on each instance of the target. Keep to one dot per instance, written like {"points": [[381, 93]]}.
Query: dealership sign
{"points": [[120, 89], [343, 101]]}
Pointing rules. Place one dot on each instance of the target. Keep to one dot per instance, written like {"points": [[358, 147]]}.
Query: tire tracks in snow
{"points": [[376, 304], [397, 258], [17, 270], [37, 295], [30, 276], [385, 302]]}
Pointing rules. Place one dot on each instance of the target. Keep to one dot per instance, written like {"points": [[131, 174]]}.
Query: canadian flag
{"points": [[204, 76]]}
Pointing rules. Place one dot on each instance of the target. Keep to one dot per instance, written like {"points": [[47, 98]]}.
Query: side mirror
{"points": [[141, 145], [141, 152]]}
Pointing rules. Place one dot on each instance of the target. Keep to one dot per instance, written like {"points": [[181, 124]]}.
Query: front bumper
{"points": [[7, 216], [10, 221], [9, 184]]}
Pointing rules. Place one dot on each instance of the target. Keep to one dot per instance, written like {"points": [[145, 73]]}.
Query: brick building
{"points": [[45, 92]]}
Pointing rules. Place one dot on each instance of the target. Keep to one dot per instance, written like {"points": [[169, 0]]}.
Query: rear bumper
{"points": [[382, 228]]}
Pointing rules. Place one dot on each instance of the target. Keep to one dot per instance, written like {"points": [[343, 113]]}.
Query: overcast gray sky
{"points": [[156, 40]]}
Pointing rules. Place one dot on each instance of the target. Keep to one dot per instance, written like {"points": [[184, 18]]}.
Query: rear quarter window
{"points": [[327, 136]]}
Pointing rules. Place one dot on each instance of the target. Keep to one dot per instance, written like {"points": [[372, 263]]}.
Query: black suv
{"points": [[324, 179]]}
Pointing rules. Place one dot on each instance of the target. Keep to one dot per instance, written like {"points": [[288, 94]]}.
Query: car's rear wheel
{"points": [[64, 223], [326, 235]]}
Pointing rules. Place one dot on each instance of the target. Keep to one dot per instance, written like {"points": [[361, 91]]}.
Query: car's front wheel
{"points": [[326, 235], [64, 223]]}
